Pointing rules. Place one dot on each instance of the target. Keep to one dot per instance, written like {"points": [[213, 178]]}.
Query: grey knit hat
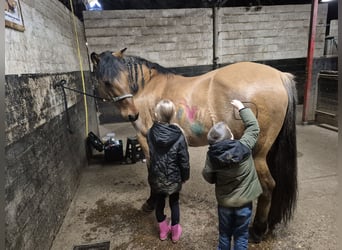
{"points": [[220, 131]]}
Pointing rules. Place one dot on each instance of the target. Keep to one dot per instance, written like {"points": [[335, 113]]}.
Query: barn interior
{"points": [[61, 193]]}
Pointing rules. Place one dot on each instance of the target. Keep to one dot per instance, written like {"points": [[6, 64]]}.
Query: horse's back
{"points": [[248, 73], [251, 82]]}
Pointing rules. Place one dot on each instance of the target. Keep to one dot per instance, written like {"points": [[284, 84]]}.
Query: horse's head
{"points": [[114, 85]]}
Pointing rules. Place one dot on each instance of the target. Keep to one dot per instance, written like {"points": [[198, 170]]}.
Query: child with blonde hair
{"points": [[169, 167]]}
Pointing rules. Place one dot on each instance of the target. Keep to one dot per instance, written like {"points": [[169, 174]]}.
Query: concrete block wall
{"points": [[48, 41], [184, 37], [172, 38], [334, 28], [43, 159], [332, 42], [268, 32]]}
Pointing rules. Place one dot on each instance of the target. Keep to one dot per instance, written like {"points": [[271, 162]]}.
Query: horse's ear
{"points": [[120, 53], [94, 58], [153, 71]]}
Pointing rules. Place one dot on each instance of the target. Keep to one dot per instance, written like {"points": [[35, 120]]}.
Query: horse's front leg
{"points": [[149, 204], [260, 222], [144, 146]]}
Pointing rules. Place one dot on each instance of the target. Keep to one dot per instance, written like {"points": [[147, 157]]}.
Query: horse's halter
{"points": [[118, 98], [121, 97]]}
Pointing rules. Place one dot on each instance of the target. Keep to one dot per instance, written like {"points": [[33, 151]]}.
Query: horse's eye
{"points": [[107, 83]]}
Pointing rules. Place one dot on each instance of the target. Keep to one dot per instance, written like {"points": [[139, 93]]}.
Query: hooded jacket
{"points": [[230, 165], [169, 158]]}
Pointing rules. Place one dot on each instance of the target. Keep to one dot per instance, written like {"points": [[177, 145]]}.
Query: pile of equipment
{"points": [[113, 149]]}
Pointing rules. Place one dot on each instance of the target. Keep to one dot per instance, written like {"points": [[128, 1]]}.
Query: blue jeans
{"points": [[233, 223]]}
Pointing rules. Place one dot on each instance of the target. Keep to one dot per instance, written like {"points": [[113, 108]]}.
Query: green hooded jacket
{"points": [[230, 166]]}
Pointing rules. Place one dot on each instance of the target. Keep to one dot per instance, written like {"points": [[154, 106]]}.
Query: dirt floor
{"points": [[107, 204]]}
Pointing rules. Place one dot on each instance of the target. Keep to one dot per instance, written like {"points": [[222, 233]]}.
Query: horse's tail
{"points": [[282, 161]]}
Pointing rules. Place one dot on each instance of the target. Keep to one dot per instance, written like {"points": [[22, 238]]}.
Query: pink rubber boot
{"points": [[176, 232], [164, 229]]}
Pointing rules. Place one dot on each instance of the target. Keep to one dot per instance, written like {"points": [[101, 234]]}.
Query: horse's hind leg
{"points": [[260, 222]]}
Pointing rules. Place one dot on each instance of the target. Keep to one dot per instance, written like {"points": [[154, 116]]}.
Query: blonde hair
{"points": [[220, 131], [164, 111]]}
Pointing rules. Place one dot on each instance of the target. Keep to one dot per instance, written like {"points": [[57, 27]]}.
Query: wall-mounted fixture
{"points": [[93, 5]]}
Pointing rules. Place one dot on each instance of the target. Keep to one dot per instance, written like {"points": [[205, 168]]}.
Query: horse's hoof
{"points": [[253, 237], [147, 208]]}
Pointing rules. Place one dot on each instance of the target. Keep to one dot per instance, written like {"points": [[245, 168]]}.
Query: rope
{"points": [[81, 68]]}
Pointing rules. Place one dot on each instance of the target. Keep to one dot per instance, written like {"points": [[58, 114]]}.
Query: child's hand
{"points": [[237, 104]]}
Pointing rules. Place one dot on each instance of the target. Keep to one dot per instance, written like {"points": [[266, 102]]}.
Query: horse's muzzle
{"points": [[133, 118]]}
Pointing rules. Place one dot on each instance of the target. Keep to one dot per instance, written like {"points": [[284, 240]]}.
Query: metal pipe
{"points": [[309, 59], [63, 82], [66, 111]]}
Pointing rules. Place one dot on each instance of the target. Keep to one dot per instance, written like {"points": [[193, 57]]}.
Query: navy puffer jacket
{"points": [[169, 158]]}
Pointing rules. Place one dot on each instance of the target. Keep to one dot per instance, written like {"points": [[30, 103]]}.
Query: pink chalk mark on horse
{"points": [[190, 111]]}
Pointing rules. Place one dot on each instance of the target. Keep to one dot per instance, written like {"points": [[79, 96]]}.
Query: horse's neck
{"points": [[151, 90]]}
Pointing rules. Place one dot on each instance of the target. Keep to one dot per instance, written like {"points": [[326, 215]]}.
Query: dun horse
{"points": [[136, 85]]}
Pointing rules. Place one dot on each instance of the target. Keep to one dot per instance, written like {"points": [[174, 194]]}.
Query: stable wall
{"points": [[172, 37], [268, 32], [43, 159], [183, 39]]}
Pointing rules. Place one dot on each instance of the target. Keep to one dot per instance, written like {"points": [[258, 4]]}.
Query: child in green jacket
{"points": [[230, 166]]}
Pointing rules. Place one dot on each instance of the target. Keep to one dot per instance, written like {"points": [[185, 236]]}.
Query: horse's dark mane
{"points": [[110, 66], [148, 64]]}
